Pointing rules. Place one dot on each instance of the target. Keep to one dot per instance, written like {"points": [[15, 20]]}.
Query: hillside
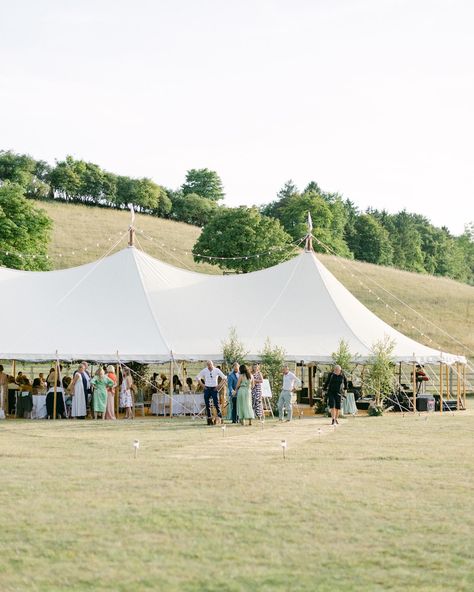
{"points": [[82, 234]]}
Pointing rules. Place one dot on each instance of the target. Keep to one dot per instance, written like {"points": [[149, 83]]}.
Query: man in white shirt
{"points": [[208, 378], [290, 381]]}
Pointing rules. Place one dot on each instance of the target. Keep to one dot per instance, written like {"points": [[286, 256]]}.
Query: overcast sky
{"points": [[370, 98]]}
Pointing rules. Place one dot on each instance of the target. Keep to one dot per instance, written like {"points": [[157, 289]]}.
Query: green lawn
{"points": [[379, 504]]}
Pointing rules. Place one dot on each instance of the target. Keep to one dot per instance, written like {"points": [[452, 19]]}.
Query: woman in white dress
{"points": [[126, 395], [79, 408]]}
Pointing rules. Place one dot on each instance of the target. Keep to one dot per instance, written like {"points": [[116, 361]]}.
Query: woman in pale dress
{"points": [[110, 409], [78, 408], [126, 395], [101, 383], [244, 396]]}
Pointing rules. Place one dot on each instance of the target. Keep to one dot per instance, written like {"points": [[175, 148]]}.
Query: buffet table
{"points": [[39, 407], [181, 404]]}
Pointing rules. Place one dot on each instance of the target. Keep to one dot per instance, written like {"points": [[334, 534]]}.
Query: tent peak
{"points": [[308, 247]]}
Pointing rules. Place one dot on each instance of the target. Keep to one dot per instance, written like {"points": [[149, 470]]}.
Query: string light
{"points": [[387, 306], [21, 255], [246, 257]]}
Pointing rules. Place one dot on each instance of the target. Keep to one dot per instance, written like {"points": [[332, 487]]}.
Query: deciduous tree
{"points": [[253, 240]]}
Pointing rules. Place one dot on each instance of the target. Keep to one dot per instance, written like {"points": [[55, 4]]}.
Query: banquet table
{"points": [[182, 404], [348, 404], [39, 407]]}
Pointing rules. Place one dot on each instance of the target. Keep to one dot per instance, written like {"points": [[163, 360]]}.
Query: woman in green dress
{"points": [[100, 382], [244, 395]]}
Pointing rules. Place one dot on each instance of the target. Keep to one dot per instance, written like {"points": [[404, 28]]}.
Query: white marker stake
{"points": [[319, 435], [262, 423], [136, 446], [223, 430], [283, 447]]}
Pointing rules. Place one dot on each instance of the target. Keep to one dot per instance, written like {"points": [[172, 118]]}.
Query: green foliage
{"points": [[233, 350], [272, 361], [375, 410], [327, 212], [140, 373], [144, 194], [242, 232], [404, 240], [370, 241], [85, 182], [342, 356], [193, 209], [24, 230], [381, 366], [22, 169], [204, 183]]}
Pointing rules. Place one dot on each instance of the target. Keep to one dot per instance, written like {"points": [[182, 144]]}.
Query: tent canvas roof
{"points": [[134, 307]]}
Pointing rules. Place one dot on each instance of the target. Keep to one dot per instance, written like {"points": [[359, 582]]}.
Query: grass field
{"points": [[449, 304], [378, 504]]}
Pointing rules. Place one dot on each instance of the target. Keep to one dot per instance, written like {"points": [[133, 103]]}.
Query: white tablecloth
{"points": [[183, 404], [39, 407], [348, 404]]}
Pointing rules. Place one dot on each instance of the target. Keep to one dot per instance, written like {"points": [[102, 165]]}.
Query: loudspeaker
{"points": [[450, 404], [425, 403]]}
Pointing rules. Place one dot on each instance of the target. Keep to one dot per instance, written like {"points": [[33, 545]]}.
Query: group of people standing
{"points": [[244, 392], [99, 392]]}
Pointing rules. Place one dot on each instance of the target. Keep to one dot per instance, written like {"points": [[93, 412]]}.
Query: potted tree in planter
{"points": [[380, 374]]}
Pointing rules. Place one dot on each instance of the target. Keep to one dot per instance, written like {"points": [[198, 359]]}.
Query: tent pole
{"points": [[171, 387], [117, 390], [414, 386], [464, 385], [310, 385], [441, 387], [362, 386], [458, 387], [55, 398], [448, 390]]}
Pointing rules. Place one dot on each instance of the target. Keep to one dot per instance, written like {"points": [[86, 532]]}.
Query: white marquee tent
{"points": [[130, 306]]}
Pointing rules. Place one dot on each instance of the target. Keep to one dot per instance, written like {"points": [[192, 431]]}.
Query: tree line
{"points": [[267, 233]]}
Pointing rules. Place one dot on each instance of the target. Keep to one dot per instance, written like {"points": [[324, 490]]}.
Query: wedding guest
{"points": [[25, 398], [154, 383], [78, 390], [126, 394], [208, 379], [189, 385], [164, 383], [60, 403], [43, 384], [87, 384], [244, 396], [110, 408], [257, 404], [100, 383], [232, 380], [290, 381], [50, 378], [335, 382], [177, 384], [3, 389]]}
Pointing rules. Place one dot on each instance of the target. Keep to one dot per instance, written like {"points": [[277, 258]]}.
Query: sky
{"points": [[372, 99]]}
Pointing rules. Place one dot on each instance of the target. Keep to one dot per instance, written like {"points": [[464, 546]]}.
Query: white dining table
{"points": [[181, 404], [39, 407]]}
